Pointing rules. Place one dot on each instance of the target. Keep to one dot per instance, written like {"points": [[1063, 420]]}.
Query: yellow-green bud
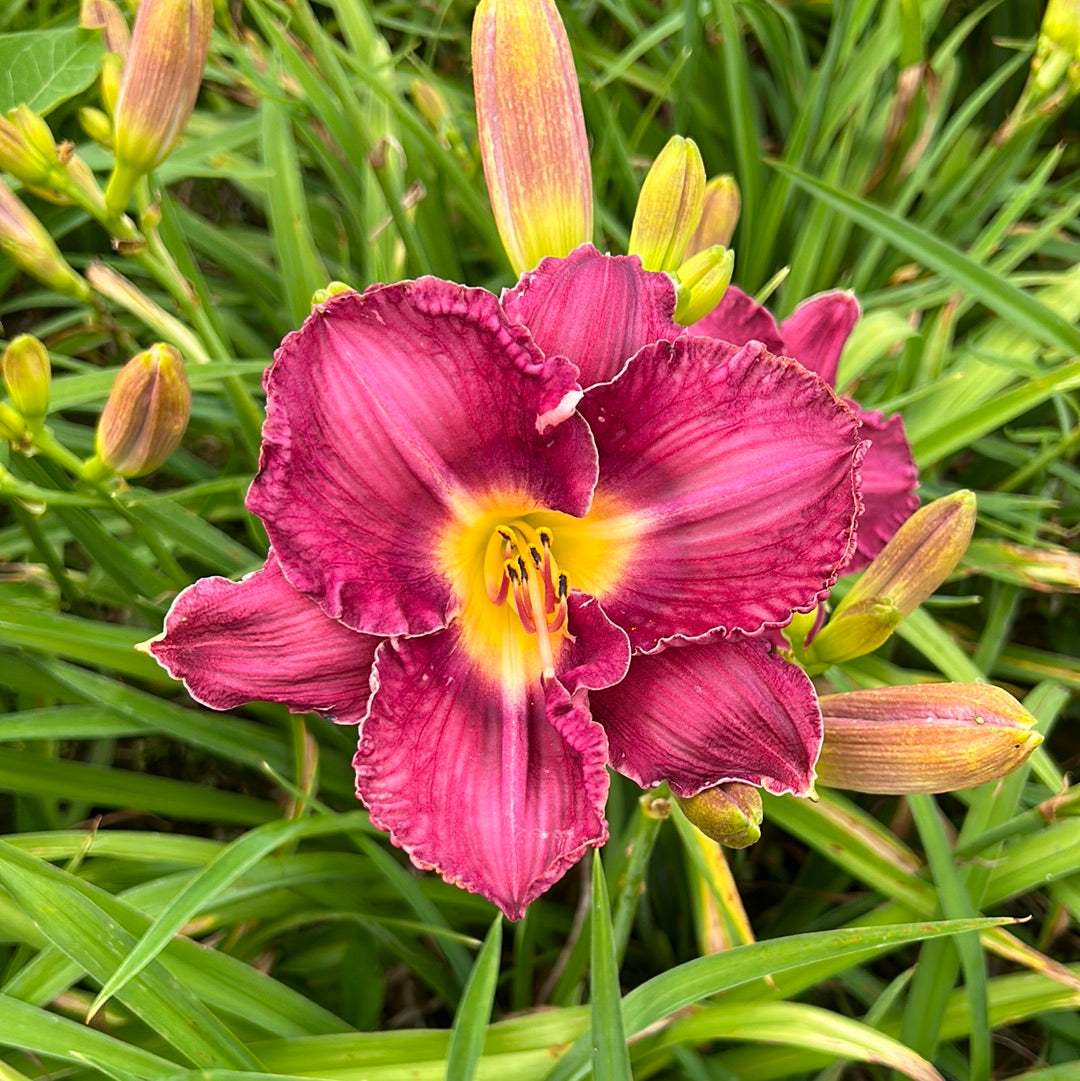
{"points": [[700, 283], [430, 103], [27, 374], [934, 737], [1057, 51], [12, 426], [106, 16], [669, 206], [321, 296], [146, 414], [719, 215], [27, 147], [730, 813], [923, 552], [97, 125], [161, 81], [112, 75], [29, 244]]}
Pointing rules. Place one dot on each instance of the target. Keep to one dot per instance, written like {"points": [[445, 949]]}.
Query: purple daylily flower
{"points": [[510, 582], [814, 334]]}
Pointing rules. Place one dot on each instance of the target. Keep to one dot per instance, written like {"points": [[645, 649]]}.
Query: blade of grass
{"points": [[609, 1055], [474, 1012]]}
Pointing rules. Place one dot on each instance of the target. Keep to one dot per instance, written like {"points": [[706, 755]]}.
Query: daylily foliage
{"points": [[516, 543]]}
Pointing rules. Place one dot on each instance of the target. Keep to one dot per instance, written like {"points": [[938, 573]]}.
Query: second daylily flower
{"points": [[510, 582]]}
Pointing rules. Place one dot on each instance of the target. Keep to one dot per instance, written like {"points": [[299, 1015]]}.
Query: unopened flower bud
{"points": [[27, 147], [97, 125], [12, 426], [669, 206], [27, 374], [430, 103], [531, 130], [160, 84], [1057, 50], [146, 413], [321, 296], [29, 244], [719, 215], [730, 813], [106, 16], [700, 283], [112, 75], [934, 737], [923, 552]]}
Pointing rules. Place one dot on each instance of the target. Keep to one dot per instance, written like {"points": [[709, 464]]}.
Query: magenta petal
{"points": [[599, 654], [735, 474], [889, 480], [389, 413], [232, 642], [725, 710], [499, 789], [815, 332], [738, 319], [598, 310]]}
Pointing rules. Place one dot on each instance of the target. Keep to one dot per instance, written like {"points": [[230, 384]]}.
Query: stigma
{"points": [[520, 569]]}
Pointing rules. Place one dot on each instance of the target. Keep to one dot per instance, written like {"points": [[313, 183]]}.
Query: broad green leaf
{"points": [[43, 68], [474, 1012], [607, 1038]]}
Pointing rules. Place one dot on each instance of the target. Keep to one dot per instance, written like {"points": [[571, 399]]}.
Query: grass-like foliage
{"points": [[192, 894]]}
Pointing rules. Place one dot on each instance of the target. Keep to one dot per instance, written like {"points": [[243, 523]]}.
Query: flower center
{"points": [[519, 566]]}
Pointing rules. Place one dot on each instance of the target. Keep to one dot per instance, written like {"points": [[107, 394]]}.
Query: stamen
{"points": [[540, 598]]}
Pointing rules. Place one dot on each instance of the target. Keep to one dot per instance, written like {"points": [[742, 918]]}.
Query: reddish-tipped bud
{"points": [[719, 215], [669, 206], [29, 244], [146, 413], [923, 552], [27, 374], [730, 813], [104, 15], [160, 84], [531, 129], [935, 737]]}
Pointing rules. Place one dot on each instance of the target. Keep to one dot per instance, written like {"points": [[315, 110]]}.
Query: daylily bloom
{"points": [[814, 334], [518, 540]]}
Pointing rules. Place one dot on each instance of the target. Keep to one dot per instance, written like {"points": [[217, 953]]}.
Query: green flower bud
{"points": [[146, 413], [29, 244], [27, 374], [701, 282], [730, 813], [97, 125], [161, 82], [27, 147], [12, 426], [669, 206], [935, 737], [719, 215]]}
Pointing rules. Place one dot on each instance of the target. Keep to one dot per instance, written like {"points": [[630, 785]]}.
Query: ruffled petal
{"points": [[232, 642], [725, 710], [599, 654], [731, 478], [598, 310], [815, 332], [738, 319], [500, 788], [889, 480], [388, 416]]}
